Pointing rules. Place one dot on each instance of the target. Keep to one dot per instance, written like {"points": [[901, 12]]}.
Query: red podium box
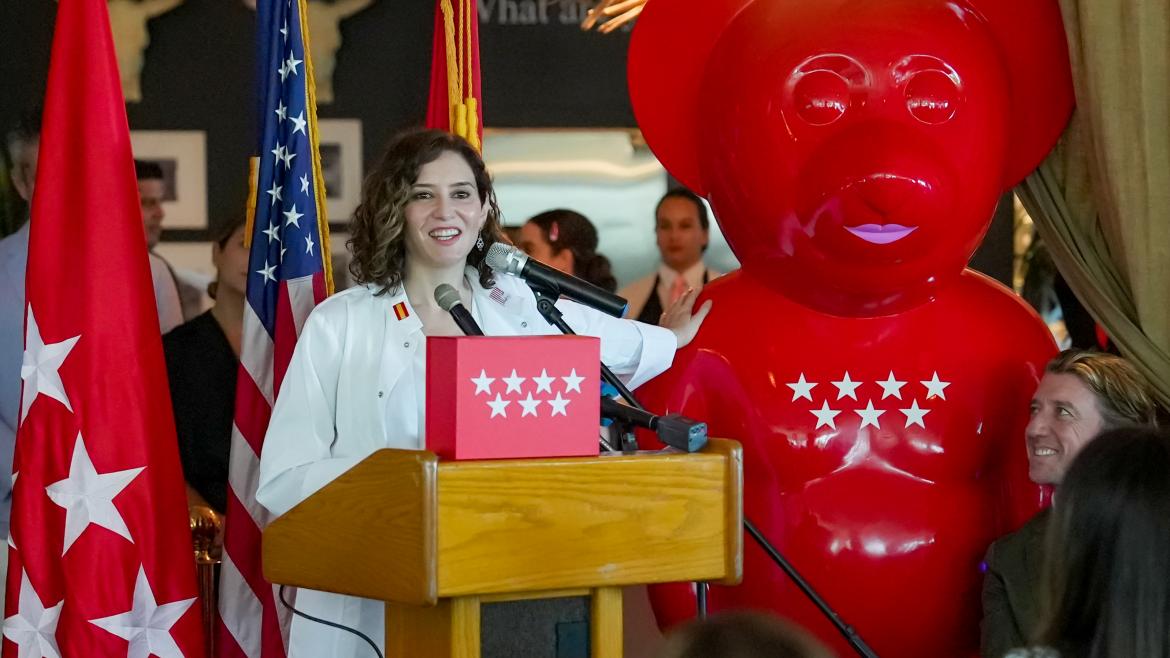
{"points": [[512, 397]]}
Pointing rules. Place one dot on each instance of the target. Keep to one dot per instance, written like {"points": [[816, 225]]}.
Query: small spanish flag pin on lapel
{"points": [[400, 311]]}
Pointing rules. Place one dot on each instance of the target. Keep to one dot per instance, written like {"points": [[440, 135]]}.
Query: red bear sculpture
{"points": [[853, 152]]}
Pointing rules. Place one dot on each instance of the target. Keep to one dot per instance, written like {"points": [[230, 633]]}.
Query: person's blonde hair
{"points": [[1123, 395]]}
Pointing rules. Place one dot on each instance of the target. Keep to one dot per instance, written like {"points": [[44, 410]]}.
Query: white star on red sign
{"points": [[483, 383], [529, 404], [544, 382], [514, 382], [499, 406], [558, 405], [573, 381]]}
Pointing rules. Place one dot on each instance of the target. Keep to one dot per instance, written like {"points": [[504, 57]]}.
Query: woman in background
{"points": [[203, 357], [567, 240]]}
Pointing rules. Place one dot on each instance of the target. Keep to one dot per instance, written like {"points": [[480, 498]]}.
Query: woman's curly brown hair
{"points": [[378, 227]]}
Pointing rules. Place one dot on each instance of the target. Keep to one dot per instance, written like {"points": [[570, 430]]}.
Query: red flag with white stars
{"points": [[100, 556]]}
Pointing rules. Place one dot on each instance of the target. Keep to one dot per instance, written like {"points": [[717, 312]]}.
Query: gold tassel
{"points": [[250, 211], [472, 106]]}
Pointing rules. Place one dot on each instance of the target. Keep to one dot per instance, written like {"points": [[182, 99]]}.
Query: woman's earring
{"points": [[479, 242]]}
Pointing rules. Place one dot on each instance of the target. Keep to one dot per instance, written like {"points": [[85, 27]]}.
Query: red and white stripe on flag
{"points": [[100, 555], [288, 275]]}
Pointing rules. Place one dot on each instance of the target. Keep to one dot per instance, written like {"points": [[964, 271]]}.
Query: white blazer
{"points": [[341, 387]]}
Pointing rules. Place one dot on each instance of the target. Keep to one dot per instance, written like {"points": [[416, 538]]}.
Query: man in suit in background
{"points": [[1081, 395], [682, 227]]}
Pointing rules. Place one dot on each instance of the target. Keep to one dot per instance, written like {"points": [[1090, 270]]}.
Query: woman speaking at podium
{"points": [[357, 380]]}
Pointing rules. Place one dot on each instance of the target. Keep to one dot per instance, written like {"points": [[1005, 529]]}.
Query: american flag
{"points": [[100, 558], [289, 274]]}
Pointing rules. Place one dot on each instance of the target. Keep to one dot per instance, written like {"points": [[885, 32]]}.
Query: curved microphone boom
{"points": [[507, 259], [447, 297]]}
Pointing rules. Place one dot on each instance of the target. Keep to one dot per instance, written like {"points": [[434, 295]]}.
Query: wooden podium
{"points": [[435, 539]]}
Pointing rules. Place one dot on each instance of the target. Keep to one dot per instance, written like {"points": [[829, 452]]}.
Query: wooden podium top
{"points": [[403, 526]]}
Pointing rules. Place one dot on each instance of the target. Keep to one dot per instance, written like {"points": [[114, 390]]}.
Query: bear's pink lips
{"points": [[881, 233]]}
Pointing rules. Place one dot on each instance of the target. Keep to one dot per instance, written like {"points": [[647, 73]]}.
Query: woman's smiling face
{"points": [[444, 213]]}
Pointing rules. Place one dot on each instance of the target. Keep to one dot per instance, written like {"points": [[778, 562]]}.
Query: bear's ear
{"points": [[1031, 39], [669, 48]]}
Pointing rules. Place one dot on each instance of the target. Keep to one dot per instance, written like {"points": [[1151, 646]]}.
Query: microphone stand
{"points": [[546, 304]]}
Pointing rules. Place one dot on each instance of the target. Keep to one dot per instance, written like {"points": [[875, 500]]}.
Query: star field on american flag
{"points": [[288, 275], [904, 409], [552, 389], [286, 220]]}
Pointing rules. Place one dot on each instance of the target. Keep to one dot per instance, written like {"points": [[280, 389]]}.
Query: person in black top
{"points": [[202, 358]]}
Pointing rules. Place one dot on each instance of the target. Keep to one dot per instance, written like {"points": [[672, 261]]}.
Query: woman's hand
{"points": [[680, 318]]}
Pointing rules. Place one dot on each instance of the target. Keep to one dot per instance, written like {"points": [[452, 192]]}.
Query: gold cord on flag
{"points": [[250, 211], [463, 112], [314, 139]]}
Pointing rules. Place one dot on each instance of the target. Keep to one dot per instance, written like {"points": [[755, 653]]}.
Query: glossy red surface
{"points": [[853, 152]]}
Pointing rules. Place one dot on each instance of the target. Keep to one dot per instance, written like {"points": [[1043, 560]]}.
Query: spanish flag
{"points": [[454, 103], [400, 311]]}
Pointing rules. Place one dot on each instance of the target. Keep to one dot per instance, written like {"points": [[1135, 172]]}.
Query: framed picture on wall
{"points": [[341, 166], [182, 155]]}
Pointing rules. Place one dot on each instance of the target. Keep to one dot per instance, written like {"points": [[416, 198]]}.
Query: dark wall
{"points": [[539, 70]]}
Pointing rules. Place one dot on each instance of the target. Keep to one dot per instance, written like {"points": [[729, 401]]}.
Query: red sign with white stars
{"points": [[531, 396]]}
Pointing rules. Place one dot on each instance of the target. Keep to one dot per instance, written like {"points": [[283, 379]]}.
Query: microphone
{"points": [[510, 260], [447, 298], [675, 430]]}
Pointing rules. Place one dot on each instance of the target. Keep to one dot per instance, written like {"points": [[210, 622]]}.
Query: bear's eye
{"points": [[821, 97], [823, 88], [932, 89]]}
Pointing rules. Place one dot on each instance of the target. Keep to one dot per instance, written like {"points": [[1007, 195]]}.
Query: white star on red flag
{"points": [[33, 629], [147, 625], [88, 496], [40, 368]]}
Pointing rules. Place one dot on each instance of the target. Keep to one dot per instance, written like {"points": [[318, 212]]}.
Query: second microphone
{"points": [[447, 297]]}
